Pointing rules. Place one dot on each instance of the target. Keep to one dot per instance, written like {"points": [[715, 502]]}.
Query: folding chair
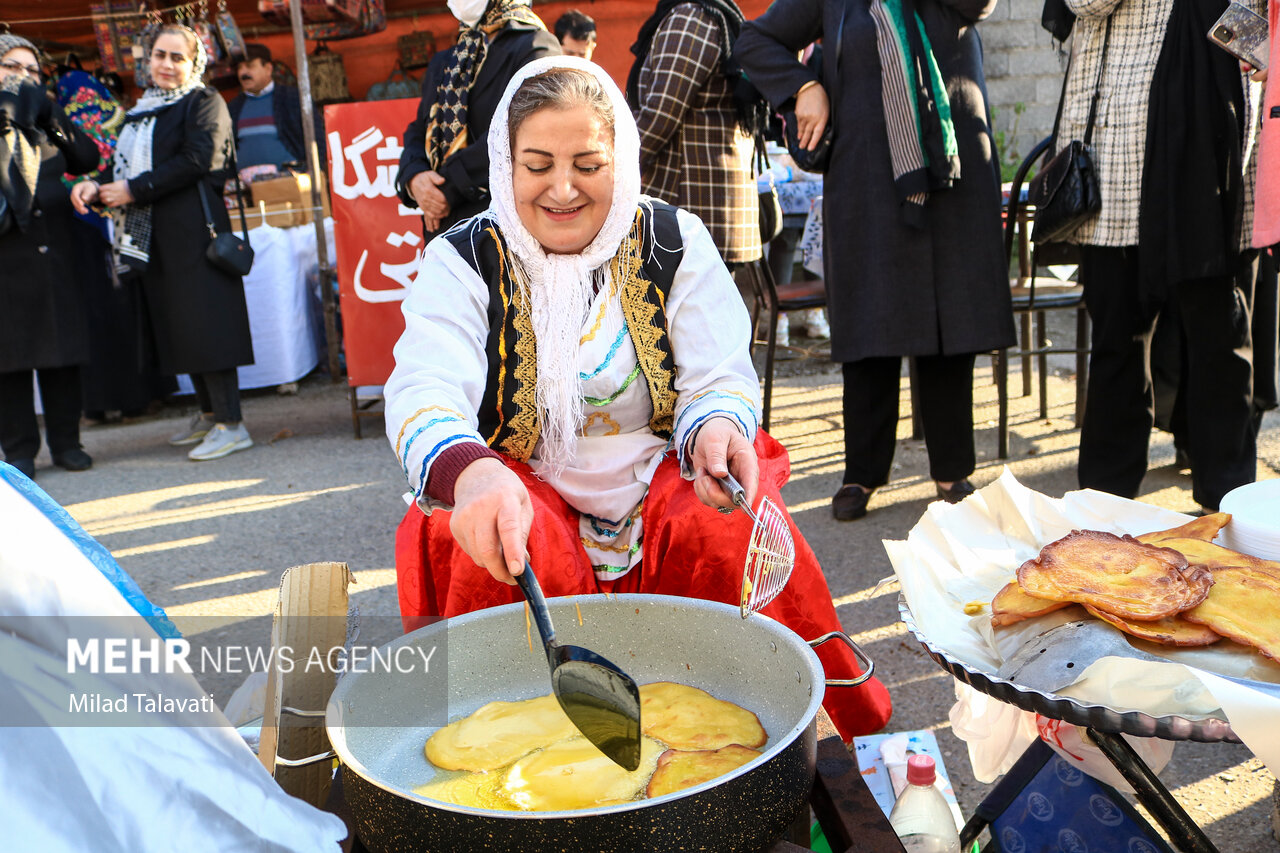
{"points": [[1031, 302]]}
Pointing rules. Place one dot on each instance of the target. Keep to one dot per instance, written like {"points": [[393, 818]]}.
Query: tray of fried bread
{"points": [[982, 579]]}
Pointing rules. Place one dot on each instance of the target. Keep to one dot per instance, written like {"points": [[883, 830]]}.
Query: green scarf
{"points": [[917, 111]]}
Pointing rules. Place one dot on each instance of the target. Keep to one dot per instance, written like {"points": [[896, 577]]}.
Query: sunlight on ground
{"points": [[867, 594], [238, 576], [123, 523], [168, 546], [1250, 783], [884, 632], [210, 614], [123, 506], [1246, 785]]}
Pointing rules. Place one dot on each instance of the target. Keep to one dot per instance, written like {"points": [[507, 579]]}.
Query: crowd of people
{"points": [[109, 293]]}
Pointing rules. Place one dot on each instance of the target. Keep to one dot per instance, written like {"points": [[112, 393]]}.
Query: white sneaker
{"points": [[819, 329], [194, 431], [221, 441]]}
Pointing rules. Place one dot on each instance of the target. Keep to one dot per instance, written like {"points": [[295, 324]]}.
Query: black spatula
{"points": [[600, 699]]}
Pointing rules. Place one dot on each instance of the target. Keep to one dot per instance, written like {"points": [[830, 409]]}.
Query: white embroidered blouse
{"points": [[435, 390]]}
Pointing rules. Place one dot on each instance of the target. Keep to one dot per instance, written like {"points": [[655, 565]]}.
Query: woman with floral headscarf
{"points": [[42, 316], [170, 163], [444, 167], [573, 375]]}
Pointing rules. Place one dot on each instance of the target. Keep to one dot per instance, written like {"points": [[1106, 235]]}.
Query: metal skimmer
{"points": [[771, 554]]}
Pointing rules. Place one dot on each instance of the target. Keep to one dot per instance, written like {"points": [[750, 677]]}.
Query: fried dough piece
{"points": [[685, 717], [1113, 573], [1244, 605], [1200, 579], [499, 733], [1169, 631], [481, 790], [1216, 557], [1205, 528], [573, 774], [679, 769], [1012, 605]]}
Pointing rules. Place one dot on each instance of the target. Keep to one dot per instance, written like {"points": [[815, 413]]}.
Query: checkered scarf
{"points": [[133, 158], [19, 146], [447, 123]]}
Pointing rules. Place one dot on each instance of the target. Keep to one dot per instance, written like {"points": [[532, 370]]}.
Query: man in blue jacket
{"points": [[267, 116]]}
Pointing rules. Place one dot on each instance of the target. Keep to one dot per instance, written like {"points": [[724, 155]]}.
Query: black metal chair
{"points": [[776, 298], [1032, 301]]}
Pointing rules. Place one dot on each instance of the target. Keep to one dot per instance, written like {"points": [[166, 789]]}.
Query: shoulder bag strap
{"points": [[1097, 86], [208, 213], [235, 170], [1093, 106]]}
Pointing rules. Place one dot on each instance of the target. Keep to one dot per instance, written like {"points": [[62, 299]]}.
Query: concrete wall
{"points": [[1023, 66]]}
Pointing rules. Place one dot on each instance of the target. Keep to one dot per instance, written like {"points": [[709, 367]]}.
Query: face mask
{"points": [[469, 12]]}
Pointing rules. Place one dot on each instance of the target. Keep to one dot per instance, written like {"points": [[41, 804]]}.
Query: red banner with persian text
{"points": [[378, 240]]}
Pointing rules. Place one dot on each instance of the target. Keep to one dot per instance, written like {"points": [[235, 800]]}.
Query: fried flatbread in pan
{"points": [[680, 769], [1117, 574], [1169, 631], [499, 733], [1204, 528], [685, 717], [1243, 605], [1012, 605]]}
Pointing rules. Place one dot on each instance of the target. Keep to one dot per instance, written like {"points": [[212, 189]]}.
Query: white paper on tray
{"points": [[966, 552]]}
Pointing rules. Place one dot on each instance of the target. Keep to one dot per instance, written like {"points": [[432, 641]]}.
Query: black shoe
{"points": [[959, 490], [850, 503], [73, 460], [26, 466]]}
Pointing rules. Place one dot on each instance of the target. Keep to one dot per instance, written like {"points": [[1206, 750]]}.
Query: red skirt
{"points": [[689, 550]]}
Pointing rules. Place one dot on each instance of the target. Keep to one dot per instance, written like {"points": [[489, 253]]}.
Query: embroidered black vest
{"points": [[508, 410]]}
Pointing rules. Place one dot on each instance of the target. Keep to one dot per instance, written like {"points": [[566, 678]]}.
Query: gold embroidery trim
{"points": [[522, 429], [646, 330], [502, 336], [614, 427]]}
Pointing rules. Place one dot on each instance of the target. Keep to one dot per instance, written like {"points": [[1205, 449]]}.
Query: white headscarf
{"points": [[560, 286]]}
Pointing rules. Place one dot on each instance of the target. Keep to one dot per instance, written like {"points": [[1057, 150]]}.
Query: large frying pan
{"points": [[375, 723]]}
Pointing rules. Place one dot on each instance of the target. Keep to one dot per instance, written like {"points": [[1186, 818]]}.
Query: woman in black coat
{"points": [[913, 254], [444, 167], [42, 318], [172, 158]]}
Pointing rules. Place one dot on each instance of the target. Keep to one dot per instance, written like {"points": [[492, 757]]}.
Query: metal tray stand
{"points": [[1099, 717]]}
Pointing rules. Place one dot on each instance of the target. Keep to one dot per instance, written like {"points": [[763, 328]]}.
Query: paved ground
{"points": [[209, 541]]}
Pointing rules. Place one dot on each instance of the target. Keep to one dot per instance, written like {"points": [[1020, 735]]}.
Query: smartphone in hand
{"points": [[1242, 33]]}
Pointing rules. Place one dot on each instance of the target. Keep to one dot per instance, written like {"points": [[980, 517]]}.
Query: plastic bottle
{"points": [[921, 816]]}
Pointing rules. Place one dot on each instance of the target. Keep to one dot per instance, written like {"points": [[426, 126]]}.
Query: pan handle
{"points": [[867, 664]]}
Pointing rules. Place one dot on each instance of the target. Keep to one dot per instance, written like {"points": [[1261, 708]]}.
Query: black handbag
{"points": [[819, 158], [1065, 191], [227, 252]]}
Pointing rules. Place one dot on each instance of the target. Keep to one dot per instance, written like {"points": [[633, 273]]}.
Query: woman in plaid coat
{"points": [[1171, 142]]}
